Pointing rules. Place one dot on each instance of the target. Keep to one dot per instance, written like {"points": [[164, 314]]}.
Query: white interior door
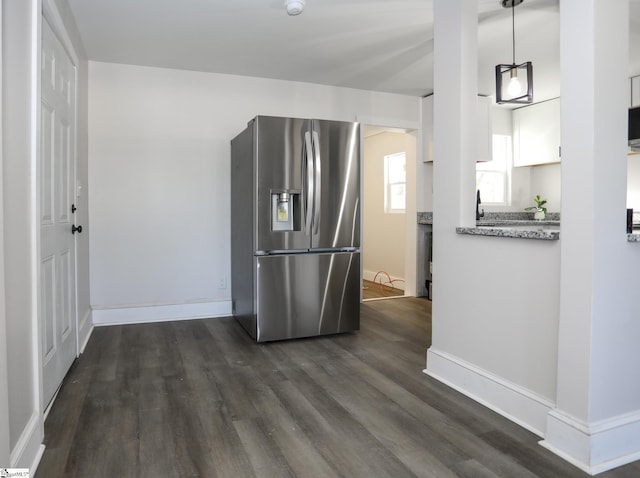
{"points": [[57, 182]]}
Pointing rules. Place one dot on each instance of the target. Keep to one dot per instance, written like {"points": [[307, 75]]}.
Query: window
{"points": [[395, 183], [493, 178]]}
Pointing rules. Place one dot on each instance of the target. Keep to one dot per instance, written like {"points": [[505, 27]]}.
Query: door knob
{"points": [[73, 208], [75, 229]]}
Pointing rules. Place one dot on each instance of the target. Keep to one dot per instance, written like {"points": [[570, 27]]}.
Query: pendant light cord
{"points": [[513, 30]]}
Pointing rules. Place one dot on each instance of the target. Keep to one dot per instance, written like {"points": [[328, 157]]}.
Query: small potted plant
{"points": [[540, 210]]}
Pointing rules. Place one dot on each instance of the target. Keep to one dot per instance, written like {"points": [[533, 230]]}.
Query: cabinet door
{"points": [[536, 134], [482, 127], [635, 91]]}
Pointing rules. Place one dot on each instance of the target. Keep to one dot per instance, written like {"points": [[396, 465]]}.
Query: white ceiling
{"points": [[379, 45]]}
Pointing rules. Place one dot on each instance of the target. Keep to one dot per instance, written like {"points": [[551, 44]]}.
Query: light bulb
{"points": [[514, 88]]}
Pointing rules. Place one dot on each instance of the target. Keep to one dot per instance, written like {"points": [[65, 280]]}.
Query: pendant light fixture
{"points": [[514, 83]]}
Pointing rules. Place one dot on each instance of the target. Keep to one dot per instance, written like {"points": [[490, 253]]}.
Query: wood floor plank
{"points": [[356, 454], [266, 458], [200, 399], [473, 469], [388, 422]]}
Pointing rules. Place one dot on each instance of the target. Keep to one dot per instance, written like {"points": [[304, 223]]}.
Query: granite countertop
{"points": [[517, 225], [519, 231], [634, 237], [425, 218], [520, 225]]}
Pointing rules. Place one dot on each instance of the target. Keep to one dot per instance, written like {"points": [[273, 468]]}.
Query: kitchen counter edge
{"points": [[426, 218], [532, 233]]}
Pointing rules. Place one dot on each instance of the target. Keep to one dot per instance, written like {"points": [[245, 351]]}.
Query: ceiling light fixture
{"points": [[510, 78], [294, 7]]}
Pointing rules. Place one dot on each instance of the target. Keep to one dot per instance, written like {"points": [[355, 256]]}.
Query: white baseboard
{"points": [[522, 406], [396, 282], [595, 447], [85, 328], [160, 313], [29, 448]]}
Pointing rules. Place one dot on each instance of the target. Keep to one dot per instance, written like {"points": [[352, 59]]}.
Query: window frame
{"points": [[499, 166]]}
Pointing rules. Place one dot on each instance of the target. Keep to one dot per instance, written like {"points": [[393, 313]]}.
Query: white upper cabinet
{"points": [[536, 134], [482, 127], [635, 91]]}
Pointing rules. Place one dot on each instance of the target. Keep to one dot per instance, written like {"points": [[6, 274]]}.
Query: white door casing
{"points": [[4, 381], [57, 184]]}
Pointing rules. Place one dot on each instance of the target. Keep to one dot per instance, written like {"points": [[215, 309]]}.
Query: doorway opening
{"points": [[389, 159]]}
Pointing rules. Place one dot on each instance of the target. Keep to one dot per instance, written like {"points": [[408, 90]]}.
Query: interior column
{"points": [[596, 422], [455, 90]]}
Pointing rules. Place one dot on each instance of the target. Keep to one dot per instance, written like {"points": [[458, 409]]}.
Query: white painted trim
{"points": [[595, 447], [388, 122], [29, 448], [410, 260], [371, 275], [4, 380], [141, 314], [518, 404], [34, 190], [85, 329]]}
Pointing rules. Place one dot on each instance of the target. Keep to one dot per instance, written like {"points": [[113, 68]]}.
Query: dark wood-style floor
{"points": [[200, 399]]}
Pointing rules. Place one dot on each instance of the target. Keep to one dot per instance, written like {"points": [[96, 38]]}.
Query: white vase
{"points": [[538, 215]]}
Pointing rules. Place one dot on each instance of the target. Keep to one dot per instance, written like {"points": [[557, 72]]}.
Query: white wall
{"points": [[24, 422], [159, 179], [545, 180], [597, 421], [384, 235], [20, 41], [496, 300]]}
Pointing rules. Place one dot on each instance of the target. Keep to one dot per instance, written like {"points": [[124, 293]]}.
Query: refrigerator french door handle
{"points": [[309, 183], [318, 175]]}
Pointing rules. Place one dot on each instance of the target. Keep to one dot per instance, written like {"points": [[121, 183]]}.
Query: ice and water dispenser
{"points": [[285, 211]]}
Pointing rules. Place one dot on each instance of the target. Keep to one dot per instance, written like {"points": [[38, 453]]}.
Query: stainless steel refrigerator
{"points": [[295, 224]]}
